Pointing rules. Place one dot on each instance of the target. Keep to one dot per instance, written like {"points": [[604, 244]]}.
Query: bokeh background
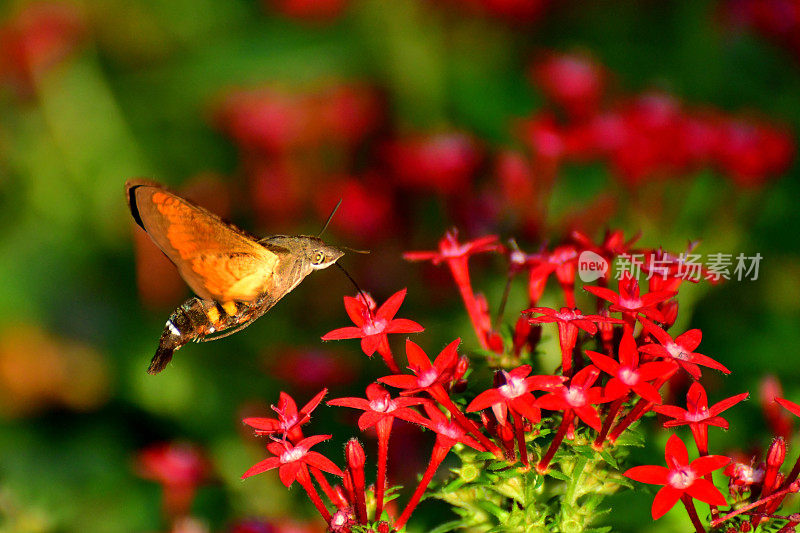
{"points": [[525, 118]]}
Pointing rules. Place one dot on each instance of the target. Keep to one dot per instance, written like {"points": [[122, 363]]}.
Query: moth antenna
{"points": [[329, 218], [358, 289]]}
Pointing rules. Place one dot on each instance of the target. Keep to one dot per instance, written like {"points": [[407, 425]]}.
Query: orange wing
{"points": [[217, 260]]}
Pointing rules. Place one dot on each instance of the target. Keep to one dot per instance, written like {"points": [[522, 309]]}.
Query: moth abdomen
{"points": [[193, 319]]}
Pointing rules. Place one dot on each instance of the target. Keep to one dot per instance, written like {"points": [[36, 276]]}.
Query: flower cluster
{"points": [[645, 136], [545, 424]]}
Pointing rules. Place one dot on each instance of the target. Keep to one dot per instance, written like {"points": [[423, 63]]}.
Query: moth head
{"points": [[323, 255]]}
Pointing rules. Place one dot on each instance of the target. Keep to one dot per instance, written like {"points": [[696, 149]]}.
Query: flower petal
{"points": [[665, 499], [588, 414], [727, 403], [390, 306], [267, 464], [789, 406], [690, 340], [653, 474], [705, 491], [485, 400], [355, 403], [288, 472], [708, 463], [349, 332], [370, 343], [356, 310], [400, 381], [318, 460], [676, 452], [417, 358], [403, 325]]}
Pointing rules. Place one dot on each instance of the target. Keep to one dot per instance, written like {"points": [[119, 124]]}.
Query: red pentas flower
{"points": [[577, 396], [573, 81], [179, 467], [369, 212], [426, 374], [627, 374], [680, 349], [629, 301], [38, 36], [516, 394], [569, 321], [289, 418], [372, 326], [751, 152], [698, 415], [292, 460], [545, 137], [680, 477], [265, 119], [455, 254], [379, 405], [562, 261], [380, 410], [442, 162]]}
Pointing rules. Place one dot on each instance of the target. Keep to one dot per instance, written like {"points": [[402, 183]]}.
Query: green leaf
{"points": [[558, 475], [447, 526]]}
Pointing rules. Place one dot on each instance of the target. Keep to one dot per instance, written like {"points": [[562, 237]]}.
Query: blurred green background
{"points": [[95, 92]]}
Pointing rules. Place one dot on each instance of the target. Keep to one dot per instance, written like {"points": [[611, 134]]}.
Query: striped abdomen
{"points": [[193, 320]]}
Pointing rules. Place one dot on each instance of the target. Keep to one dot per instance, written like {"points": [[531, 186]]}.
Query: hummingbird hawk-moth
{"points": [[236, 277]]}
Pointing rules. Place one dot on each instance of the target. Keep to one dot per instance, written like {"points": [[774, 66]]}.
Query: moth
{"points": [[236, 276]]}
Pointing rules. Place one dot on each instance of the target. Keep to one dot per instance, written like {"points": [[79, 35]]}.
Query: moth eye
{"points": [[319, 257]]}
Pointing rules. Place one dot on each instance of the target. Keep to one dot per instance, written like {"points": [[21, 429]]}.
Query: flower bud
{"points": [[355, 455], [383, 527], [462, 365], [776, 453]]}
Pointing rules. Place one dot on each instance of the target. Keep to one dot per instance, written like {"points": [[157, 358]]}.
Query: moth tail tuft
{"points": [[160, 360]]}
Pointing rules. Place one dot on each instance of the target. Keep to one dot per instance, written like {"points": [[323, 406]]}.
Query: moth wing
{"points": [[217, 260]]}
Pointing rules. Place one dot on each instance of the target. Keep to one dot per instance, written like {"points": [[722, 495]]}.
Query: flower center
{"points": [[514, 387], [681, 477], [448, 430], [575, 396], [373, 327], [295, 454], [629, 376], [677, 352], [568, 315], [701, 414], [630, 303], [427, 378], [383, 405], [288, 422]]}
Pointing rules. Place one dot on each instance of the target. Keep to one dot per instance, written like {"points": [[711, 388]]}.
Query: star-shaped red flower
{"points": [[292, 461], [698, 416], [426, 374], [379, 405], [577, 396], [569, 321], [289, 418], [629, 301], [515, 395], [681, 349], [372, 326], [680, 477], [628, 374]]}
